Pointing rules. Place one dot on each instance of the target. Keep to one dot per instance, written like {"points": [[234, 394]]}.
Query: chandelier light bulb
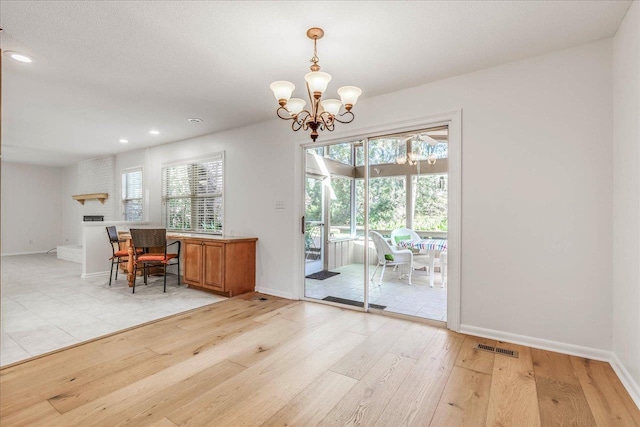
{"points": [[317, 82], [332, 106], [282, 90], [295, 105], [349, 96]]}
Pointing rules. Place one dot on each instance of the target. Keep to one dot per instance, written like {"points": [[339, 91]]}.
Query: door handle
{"points": [[302, 225]]}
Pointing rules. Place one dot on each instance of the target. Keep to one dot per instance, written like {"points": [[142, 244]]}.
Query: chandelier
{"points": [[322, 115], [413, 157]]}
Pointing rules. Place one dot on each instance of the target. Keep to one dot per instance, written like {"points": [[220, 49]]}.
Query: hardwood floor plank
{"points": [[465, 399], [366, 401], [165, 422], [414, 403], [266, 346], [276, 313], [562, 404], [369, 324], [19, 395], [357, 363], [602, 394], [139, 390], [513, 399], [256, 394], [414, 341], [310, 406], [128, 373], [553, 366], [474, 359], [196, 342], [156, 405], [38, 412]]}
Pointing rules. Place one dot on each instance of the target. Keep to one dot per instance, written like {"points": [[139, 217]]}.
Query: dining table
{"points": [[430, 246]]}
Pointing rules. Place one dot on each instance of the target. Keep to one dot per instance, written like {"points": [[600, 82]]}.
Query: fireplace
{"points": [[93, 218]]}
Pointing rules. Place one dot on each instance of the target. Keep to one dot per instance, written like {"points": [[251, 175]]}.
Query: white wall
{"points": [[536, 191], [626, 193], [90, 176], [31, 208]]}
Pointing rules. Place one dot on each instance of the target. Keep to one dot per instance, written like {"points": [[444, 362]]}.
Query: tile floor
{"points": [[45, 305], [417, 299]]}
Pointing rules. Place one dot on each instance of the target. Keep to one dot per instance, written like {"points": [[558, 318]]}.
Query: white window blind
{"points": [[132, 195], [192, 196]]}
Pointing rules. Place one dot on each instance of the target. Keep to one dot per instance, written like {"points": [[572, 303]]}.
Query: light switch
{"points": [[279, 204]]}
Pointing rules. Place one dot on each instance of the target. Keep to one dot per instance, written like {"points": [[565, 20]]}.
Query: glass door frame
{"points": [[453, 119]]}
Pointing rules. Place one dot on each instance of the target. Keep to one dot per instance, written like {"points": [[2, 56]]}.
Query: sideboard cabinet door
{"points": [[214, 266], [193, 262]]}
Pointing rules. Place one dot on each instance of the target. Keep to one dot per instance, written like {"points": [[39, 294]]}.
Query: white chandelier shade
{"points": [[282, 90]]}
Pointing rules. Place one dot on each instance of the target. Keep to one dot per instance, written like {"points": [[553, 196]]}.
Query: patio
{"points": [[417, 299]]}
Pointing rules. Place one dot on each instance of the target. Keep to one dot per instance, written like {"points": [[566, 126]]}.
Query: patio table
{"points": [[429, 245]]}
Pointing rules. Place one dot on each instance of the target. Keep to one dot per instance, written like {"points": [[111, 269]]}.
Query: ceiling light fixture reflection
{"points": [[18, 56], [154, 132], [123, 141]]}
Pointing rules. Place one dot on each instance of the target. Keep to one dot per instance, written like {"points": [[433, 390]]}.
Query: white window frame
{"points": [[208, 158], [124, 200]]}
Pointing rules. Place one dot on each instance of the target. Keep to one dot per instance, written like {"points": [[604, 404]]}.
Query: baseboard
{"points": [[625, 377], [98, 274], [560, 347], [274, 292], [25, 253], [575, 350]]}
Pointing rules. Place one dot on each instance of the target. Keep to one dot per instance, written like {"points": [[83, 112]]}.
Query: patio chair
{"points": [[389, 256], [147, 239], [403, 233], [400, 234]]}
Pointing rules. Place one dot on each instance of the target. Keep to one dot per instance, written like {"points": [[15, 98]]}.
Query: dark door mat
{"points": [[354, 303], [321, 275]]}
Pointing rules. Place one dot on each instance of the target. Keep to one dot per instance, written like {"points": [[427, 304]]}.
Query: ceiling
{"points": [[107, 70]]}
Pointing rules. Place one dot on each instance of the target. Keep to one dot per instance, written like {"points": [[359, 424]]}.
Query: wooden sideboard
{"points": [[225, 265], [222, 264]]}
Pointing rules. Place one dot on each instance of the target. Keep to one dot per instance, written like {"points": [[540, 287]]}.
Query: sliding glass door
{"points": [[376, 223]]}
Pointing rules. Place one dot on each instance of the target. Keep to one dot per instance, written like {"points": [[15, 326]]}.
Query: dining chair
{"points": [[390, 256], [119, 256], [146, 240]]}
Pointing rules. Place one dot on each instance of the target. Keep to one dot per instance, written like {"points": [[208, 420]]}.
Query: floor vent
{"points": [[498, 350]]}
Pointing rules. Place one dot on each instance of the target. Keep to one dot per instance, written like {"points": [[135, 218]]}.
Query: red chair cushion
{"points": [[155, 257], [124, 253]]}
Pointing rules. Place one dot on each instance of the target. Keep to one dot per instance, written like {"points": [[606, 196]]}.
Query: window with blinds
{"points": [[192, 196], [132, 195]]}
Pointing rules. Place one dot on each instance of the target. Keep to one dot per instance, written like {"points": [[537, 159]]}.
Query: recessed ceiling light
{"points": [[194, 120], [123, 141], [154, 132], [18, 56]]}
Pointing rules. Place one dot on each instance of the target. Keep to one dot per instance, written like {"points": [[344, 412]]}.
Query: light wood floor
{"points": [[278, 362]]}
